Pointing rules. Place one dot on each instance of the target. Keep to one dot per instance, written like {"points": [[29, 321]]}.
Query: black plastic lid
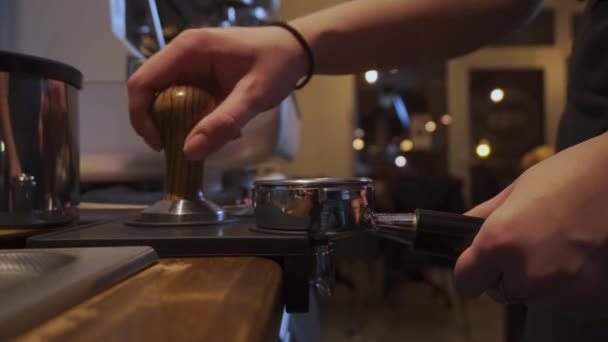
{"points": [[41, 67]]}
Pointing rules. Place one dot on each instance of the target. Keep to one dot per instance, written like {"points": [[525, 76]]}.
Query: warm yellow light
{"points": [[371, 76], [430, 126], [483, 149], [358, 144], [400, 161], [446, 119], [406, 145], [497, 95]]}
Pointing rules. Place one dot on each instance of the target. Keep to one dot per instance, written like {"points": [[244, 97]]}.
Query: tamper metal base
{"points": [[180, 212]]}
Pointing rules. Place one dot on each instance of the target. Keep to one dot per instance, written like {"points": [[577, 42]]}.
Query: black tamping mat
{"points": [[238, 237]]}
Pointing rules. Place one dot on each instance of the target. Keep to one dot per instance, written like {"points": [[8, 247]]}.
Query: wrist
{"points": [[303, 60], [309, 34]]}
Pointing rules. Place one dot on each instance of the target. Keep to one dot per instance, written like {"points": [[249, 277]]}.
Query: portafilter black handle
{"points": [[430, 232], [445, 234]]}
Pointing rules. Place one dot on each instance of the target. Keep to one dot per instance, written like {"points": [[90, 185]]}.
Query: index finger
{"points": [[173, 64]]}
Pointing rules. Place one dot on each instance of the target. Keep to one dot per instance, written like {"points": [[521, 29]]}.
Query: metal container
{"points": [[39, 161]]}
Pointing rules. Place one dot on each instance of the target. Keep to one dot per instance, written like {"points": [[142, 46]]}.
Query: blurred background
{"points": [[444, 137]]}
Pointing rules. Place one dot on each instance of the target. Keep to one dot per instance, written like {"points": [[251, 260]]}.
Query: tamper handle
{"points": [[175, 112]]}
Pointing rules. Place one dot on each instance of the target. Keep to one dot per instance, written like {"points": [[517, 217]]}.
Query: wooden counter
{"points": [[14, 232], [188, 299], [15, 237]]}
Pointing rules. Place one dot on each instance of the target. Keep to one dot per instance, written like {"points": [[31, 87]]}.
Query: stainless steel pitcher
{"points": [[39, 163]]}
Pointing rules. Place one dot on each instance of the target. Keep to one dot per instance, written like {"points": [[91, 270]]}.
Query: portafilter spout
{"points": [[175, 112]]}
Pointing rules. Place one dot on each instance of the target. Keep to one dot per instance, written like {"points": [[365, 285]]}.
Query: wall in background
{"points": [[7, 24], [327, 106], [72, 31]]}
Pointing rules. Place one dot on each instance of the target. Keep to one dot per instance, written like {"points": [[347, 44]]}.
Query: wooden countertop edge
{"points": [[186, 299], [15, 232]]}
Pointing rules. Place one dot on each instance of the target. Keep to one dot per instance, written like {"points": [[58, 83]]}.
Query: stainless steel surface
{"points": [[183, 211], [396, 227], [4, 179], [323, 208], [327, 208], [36, 284], [23, 187], [324, 269], [307, 183], [39, 131]]}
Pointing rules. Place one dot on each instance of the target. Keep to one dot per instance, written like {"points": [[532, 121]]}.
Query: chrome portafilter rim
{"points": [[318, 207], [313, 183]]}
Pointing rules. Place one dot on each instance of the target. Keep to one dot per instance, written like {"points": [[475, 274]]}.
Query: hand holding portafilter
{"points": [[175, 112]]}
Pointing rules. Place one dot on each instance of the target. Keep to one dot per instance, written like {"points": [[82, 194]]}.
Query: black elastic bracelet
{"points": [[305, 47]]}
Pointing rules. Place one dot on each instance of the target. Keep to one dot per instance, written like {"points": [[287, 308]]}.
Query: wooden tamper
{"points": [[175, 111]]}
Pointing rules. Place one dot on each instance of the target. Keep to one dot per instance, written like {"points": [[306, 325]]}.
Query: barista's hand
{"points": [[250, 69], [546, 235]]}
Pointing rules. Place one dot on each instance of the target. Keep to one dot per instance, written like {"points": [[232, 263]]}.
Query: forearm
{"points": [[383, 34]]}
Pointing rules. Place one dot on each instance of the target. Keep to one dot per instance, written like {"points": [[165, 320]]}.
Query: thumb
{"points": [[222, 125]]}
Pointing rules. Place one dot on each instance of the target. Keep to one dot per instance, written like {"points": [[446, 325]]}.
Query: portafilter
{"points": [[331, 208]]}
